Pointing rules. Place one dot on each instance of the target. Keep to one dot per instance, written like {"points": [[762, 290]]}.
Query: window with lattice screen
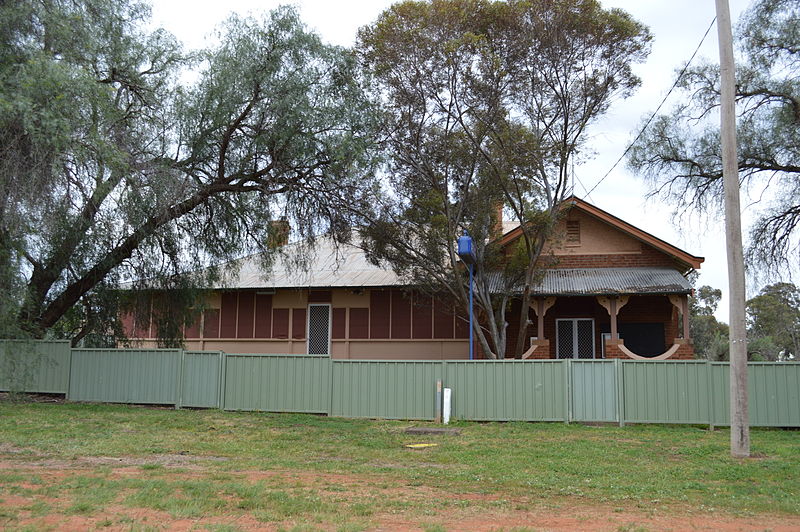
{"points": [[575, 338], [319, 329]]}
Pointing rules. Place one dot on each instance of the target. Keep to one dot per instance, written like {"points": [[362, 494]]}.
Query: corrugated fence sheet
{"points": [[384, 389], [202, 379], [277, 383], [773, 394], [594, 390], [143, 376], [39, 366], [666, 391], [508, 390], [625, 391]]}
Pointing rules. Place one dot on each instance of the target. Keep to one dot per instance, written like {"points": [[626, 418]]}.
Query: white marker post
{"points": [[448, 393]]}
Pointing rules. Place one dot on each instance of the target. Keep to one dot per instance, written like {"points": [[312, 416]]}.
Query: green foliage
{"points": [[710, 337], [485, 104], [681, 155], [774, 322], [114, 174]]}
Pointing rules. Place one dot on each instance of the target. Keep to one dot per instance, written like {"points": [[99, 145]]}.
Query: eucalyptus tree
{"points": [[486, 104], [774, 321], [680, 152], [114, 170]]}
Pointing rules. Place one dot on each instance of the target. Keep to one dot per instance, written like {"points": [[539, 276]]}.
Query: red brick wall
{"points": [[639, 309], [649, 257]]}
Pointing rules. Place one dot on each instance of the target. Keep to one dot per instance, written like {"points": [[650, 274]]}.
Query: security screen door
{"points": [[575, 338], [319, 329]]}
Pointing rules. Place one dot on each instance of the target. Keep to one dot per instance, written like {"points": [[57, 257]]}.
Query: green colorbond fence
{"points": [[773, 396], [593, 387], [144, 376], [277, 383], [202, 379], [667, 392], [34, 366], [621, 391], [384, 389], [509, 390]]}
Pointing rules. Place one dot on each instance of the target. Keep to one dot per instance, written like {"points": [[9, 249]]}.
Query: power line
{"points": [[652, 116]]}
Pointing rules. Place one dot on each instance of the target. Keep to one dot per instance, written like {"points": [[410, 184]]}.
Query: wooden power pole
{"points": [[740, 427]]}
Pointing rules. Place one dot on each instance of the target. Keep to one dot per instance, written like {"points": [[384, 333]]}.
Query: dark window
{"points": [[227, 327], [244, 329], [359, 323], [211, 323], [319, 296], [280, 323], [643, 339], [379, 313], [263, 315], [339, 322], [422, 319], [401, 314], [442, 319], [298, 323]]}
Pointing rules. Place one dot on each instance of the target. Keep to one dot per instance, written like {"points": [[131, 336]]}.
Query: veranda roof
{"points": [[606, 281]]}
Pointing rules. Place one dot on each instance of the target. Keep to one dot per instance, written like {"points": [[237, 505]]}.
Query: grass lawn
{"points": [[84, 466]]}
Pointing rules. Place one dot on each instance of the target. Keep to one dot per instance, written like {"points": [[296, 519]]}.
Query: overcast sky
{"points": [[677, 27]]}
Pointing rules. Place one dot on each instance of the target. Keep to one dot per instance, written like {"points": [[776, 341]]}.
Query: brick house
{"points": [[614, 291]]}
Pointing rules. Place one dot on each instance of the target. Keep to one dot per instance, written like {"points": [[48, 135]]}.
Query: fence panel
{"points": [[144, 376], [507, 390], [201, 379], [37, 366], [384, 389], [669, 391], [277, 383], [594, 395], [650, 391], [773, 393]]}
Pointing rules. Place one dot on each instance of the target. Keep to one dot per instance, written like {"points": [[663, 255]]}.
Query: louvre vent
{"points": [[573, 233]]}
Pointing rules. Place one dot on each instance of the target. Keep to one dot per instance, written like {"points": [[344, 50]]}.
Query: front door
{"points": [[319, 329], [575, 338]]}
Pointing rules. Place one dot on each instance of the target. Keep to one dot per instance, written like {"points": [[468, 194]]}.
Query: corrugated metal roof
{"points": [[598, 281], [327, 266]]}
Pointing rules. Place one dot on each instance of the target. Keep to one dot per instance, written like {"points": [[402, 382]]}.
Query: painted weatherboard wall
{"points": [[39, 366], [369, 323]]}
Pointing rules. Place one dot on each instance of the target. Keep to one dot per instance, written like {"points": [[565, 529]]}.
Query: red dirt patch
{"points": [[473, 511]]}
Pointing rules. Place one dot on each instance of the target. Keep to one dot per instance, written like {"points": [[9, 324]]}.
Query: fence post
{"points": [[67, 395], [710, 390], [181, 361], [620, 392], [330, 385], [223, 375], [568, 387], [219, 379]]}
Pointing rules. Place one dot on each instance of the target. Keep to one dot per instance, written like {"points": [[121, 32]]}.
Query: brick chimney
{"points": [[279, 233], [497, 228]]}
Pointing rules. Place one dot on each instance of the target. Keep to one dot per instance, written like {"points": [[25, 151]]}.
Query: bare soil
{"points": [[470, 513]]}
